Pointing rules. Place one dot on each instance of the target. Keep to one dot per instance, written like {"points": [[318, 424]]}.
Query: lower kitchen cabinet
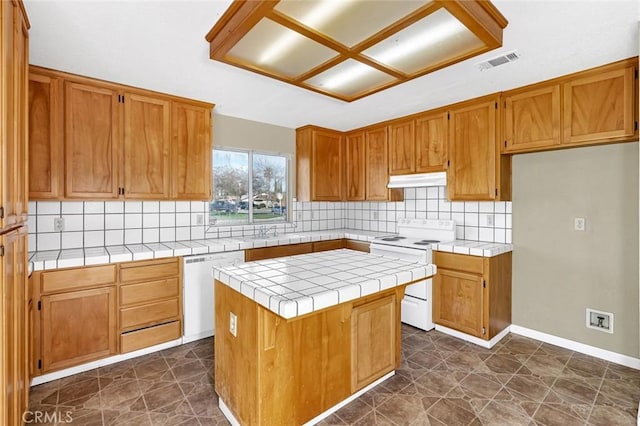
{"points": [[277, 251], [472, 294], [357, 245], [78, 327], [373, 337], [89, 313]]}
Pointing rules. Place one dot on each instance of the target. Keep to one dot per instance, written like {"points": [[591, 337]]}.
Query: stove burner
{"points": [[426, 242], [398, 238]]}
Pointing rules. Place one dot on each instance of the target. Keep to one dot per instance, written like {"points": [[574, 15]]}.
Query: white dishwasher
{"points": [[197, 286]]}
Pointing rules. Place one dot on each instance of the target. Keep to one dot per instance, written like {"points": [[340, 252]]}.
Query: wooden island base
{"points": [[276, 371]]}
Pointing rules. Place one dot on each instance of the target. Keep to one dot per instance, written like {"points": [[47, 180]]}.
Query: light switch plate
{"points": [[233, 324], [579, 224]]}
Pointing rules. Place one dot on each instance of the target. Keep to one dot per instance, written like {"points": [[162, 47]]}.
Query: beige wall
{"points": [[559, 272], [234, 132]]}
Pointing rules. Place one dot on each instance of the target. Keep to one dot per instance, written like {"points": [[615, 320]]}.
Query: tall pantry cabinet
{"points": [[14, 345]]}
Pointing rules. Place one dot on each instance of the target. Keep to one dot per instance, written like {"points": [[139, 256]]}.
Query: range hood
{"points": [[420, 179]]}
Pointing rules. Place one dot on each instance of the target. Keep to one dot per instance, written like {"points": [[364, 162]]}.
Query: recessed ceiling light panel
{"points": [[349, 49]]}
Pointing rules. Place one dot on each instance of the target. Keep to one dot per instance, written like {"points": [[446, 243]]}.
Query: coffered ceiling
{"points": [[160, 45]]}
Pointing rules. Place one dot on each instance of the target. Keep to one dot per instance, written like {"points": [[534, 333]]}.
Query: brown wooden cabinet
{"points": [[91, 141], [377, 172], [401, 147], [599, 106], [431, 142], [150, 303], [13, 114], [45, 137], [355, 166], [119, 141], [357, 245], [191, 154], [373, 336], [146, 147], [88, 313], [477, 171], [586, 108], [472, 294], [532, 119], [319, 164], [78, 327], [14, 343]]}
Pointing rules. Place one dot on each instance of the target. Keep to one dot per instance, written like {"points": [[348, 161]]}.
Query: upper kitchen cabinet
{"points": [[146, 147], [377, 174], [401, 147], [532, 119], [319, 164], [355, 166], [191, 155], [119, 142], [477, 171], [586, 108], [45, 136], [91, 141], [598, 105], [14, 39], [432, 138]]}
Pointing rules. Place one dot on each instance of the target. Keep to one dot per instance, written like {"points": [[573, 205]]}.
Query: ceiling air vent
{"points": [[499, 60]]}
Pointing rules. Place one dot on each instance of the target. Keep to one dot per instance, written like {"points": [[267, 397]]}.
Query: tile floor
{"points": [[442, 381]]}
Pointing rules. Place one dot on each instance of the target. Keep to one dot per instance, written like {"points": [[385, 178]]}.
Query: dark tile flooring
{"points": [[442, 381]]}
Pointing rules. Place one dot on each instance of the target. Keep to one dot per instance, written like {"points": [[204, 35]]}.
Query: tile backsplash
{"points": [[94, 224]]}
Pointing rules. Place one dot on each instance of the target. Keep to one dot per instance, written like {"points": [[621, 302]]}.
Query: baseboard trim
{"points": [[596, 352], [472, 339], [102, 362]]}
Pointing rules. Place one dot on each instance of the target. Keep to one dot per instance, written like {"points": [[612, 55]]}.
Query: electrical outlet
{"points": [[579, 224], [58, 224], [374, 215], [601, 321], [299, 215], [233, 324], [200, 219], [489, 220]]}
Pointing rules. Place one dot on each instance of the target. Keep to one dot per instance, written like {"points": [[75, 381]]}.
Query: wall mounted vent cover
{"points": [[499, 60]]}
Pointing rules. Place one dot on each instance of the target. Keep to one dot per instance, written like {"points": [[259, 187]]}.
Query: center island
{"points": [[298, 337]]}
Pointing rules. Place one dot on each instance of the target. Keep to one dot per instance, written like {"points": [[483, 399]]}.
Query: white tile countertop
{"points": [[474, 248], [54, 259], [296, 285]]}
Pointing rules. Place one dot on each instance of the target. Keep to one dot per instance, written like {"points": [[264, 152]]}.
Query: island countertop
{"points": [[297, 285]]}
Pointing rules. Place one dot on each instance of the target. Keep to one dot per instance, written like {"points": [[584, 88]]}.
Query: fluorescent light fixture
{"points": [[418, 180]]}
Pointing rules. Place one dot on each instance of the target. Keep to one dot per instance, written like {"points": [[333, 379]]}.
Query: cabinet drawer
{"points": [[149, 314], [459, 262], [152, 270], [149, 291], [70, 279], [146, 337]]}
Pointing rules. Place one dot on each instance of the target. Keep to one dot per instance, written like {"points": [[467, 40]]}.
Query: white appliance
{"points": [[413, 243], [197, 286]]}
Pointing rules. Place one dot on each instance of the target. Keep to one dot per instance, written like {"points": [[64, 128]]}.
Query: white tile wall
{"points": [[94, 224]]}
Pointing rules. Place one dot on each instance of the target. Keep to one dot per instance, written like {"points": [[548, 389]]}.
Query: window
{"points": [[249, 187]]}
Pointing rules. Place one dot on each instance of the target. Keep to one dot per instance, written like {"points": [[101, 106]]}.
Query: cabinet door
{"points": [[45, 137], [377, 166], [326, 166], [472, 150], [532, 119], [401, 147], [146, 147], [91, 141], [78, 327], [21, 90], [13, 326], [355, 167], [432, 137], [457, 301], [191, 156], [373, 341], [599, 107]]}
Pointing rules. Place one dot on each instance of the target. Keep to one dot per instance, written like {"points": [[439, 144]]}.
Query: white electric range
{"points": [[413, 243]]}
